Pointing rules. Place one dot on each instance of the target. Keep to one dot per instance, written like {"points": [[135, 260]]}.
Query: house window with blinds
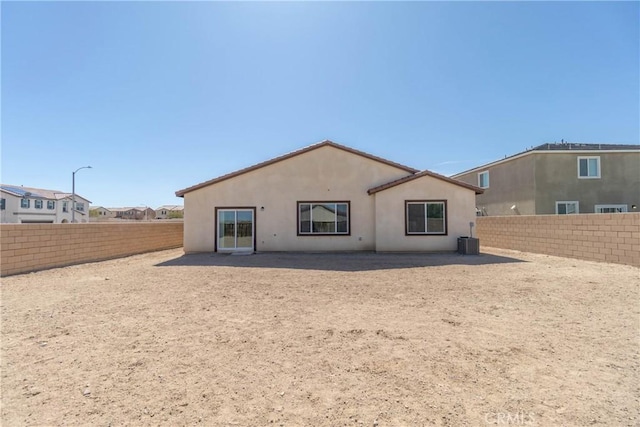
{"points": [[323, 218], [426, 217]]}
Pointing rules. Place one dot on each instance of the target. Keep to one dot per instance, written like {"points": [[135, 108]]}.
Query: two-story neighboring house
{"points": [[37, 205], [561, 178], [170, 211]]}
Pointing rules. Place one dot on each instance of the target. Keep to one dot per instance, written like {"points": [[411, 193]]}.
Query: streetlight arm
{"points": [[73, 192], [83, 167]]}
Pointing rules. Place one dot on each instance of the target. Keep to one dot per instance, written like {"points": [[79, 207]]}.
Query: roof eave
{"points": [[325, 143], [541, 150], [424, 173]]}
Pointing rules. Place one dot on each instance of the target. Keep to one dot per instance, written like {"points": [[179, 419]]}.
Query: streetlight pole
{"points": [[73, 192]]}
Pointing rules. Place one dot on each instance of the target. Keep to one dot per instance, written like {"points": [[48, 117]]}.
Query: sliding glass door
{"points": [[236, 228]]}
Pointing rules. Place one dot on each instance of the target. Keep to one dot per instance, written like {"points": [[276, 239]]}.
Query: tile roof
{"points": [[557, 146], [171, 207], [37, 193], [325, 143], [391, 184], [583, 146], [130, 208]]}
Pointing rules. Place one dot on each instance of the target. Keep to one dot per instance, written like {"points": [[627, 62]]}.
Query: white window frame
{"points": [[22, 203], [480, 175], [588, 176], [65, 206], [220, 233], [51, 204], [38, 204], [623, 208], [566, 202]]}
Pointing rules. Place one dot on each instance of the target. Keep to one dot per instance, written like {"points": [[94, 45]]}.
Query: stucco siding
{"points": [[390, 215], [510, 183], [323, 174], [12, 204], [557, 180]]}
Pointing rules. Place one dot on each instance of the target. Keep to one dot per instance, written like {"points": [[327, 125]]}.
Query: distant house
{"points": [[20, 204], [133, 213], [101, 212], [562, 178], [327, 197], [170, 211]]}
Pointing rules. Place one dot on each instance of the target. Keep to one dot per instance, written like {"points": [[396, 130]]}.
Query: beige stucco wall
{"points": [[536, 181], [390, 215], [557, 179], [323, 174], [510, 183]]}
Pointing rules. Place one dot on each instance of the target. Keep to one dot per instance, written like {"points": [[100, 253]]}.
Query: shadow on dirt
{"points": [[348, 261]]}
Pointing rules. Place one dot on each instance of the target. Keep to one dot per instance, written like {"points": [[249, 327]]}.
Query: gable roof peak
{"points": [[324, 143], [400, 181]]}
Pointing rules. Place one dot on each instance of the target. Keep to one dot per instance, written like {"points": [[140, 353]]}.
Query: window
{"points": [[38, 204], [3, 203], [65, 206], [611, 208], [25, 203], [566, 208], [318, 218], [483, 179], [80, 207], [426, 217], [588, 167], [51, 204]]}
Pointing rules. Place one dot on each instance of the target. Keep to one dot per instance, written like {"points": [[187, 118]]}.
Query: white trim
{"points": [[479, 180], [623, 208], [577, 203], [235, 237], [587, 158]]}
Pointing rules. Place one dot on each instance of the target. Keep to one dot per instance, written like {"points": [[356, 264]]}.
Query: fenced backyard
{"points": [[596, 237], [322, 339], [32, 247]]}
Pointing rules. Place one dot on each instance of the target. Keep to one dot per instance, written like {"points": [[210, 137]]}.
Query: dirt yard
{"points": [[505, 338]]}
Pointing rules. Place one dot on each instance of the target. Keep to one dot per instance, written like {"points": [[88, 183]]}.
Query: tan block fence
{"points": [[31, 247], [599, 237]]}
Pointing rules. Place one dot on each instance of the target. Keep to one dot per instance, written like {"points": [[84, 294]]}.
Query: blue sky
{"points": [[158, 96]]}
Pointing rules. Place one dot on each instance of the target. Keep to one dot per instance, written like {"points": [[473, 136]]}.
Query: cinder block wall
{"points": [[598, 237], [31, 247]]}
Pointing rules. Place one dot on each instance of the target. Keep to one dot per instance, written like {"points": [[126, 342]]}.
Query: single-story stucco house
{"points": [[327, 197]]}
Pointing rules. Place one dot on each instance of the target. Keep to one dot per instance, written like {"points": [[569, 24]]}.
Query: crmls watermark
{"points": [[519, 418]]}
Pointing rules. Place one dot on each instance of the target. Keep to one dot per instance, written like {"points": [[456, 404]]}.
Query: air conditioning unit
{"points": [[468, 245]]}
